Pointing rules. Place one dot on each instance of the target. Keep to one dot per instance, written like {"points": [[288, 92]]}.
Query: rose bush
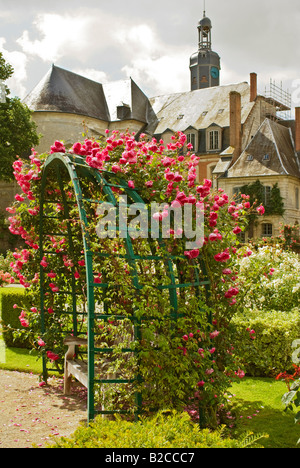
{"points": [[269, 278], [182, 361]]}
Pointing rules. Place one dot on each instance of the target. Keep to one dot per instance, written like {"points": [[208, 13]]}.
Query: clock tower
{"points": [[204, 64]]}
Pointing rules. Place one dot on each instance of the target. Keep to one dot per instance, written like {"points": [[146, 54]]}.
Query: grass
{"points": [[257, 402], [19, 359]]}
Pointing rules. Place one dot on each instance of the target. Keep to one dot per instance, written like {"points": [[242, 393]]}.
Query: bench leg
{"points": [[68, 377], [67, 381]]}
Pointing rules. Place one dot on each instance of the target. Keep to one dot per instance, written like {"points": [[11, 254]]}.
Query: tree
{"points": [[17, 130]]}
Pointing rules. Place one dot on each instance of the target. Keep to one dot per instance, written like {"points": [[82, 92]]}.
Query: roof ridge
{"points": [[276, 145]]}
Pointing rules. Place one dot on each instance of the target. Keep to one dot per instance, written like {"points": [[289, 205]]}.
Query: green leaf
{"points": [[288, 397]]}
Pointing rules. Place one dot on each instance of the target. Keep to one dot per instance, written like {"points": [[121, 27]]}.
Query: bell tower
{"points": [[205, 64]]}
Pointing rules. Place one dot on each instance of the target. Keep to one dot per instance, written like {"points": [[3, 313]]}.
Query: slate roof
{"points": [[127, 92], [64, 91], [270, 152], [200, 108]]}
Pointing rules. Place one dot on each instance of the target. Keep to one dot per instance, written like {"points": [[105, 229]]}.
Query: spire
{"points": [[204, 30], [204, 64]]}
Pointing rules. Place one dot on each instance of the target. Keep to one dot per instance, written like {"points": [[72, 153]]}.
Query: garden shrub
{"points": [[165, 430], [269, 279], [291, 399], [263, 339], [14, 337]]}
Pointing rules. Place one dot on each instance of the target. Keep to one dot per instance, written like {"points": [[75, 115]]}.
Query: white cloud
{"points": [[164, 75], [153, 64], [18, 60], [137, 39], [61, 36], [92, 74], [156, 66]]}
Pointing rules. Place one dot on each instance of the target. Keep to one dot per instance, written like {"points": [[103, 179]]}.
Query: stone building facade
{"points": [[225, 124]]}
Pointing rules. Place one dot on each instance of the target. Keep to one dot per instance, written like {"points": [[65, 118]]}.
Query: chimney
{"points": [[297, 129], [235, 124], [253, 86]]}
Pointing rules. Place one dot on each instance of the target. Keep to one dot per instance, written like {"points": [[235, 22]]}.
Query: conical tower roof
{"points": [[63, 91]]}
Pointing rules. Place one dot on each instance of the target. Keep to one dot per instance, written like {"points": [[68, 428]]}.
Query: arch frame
{"points": [[77, 167]]}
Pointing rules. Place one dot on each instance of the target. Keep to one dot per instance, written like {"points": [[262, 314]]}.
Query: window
{"points": [[267, 230], [297, 198], [214, 140], [267, 195], [237, 194], [266, 157], [249, 157], [191, 138]]}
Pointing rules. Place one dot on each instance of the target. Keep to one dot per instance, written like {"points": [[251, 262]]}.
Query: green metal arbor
{"points": [[94, 299]]}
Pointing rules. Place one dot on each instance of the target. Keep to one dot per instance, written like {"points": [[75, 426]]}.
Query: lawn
{"points": [[19, 359], [256, 402]]}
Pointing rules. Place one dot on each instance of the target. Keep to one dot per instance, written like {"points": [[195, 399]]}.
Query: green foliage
{"points": [[291, 399], [13, 336], [165, 430], [17, 130], [273, 205], [266, 351], [5, 261], [6, 70], [291, 236]]}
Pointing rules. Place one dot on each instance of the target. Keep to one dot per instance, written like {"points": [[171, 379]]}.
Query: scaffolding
{"points": [[280, 100]]}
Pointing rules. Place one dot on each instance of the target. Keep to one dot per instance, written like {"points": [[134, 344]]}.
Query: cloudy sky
{"points": [[149, 41]]}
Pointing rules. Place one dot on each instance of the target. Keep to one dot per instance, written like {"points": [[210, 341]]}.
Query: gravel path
{"points": [[32, 415]]}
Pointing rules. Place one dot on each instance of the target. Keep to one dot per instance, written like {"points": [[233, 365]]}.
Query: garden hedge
{"points": [[165, 430], [263, 340], [10, 317]]}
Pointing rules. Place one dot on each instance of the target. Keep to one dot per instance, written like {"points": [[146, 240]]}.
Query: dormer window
{"points": [[191, 138], [266, 157], [249, 157], [213, 139]]}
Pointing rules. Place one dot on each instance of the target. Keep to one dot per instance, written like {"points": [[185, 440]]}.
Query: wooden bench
{"points": [[74, 367]]}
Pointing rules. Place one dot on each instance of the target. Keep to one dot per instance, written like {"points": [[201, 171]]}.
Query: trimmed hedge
{"points": [[165, 430], [268, 351], [10, 317]]}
